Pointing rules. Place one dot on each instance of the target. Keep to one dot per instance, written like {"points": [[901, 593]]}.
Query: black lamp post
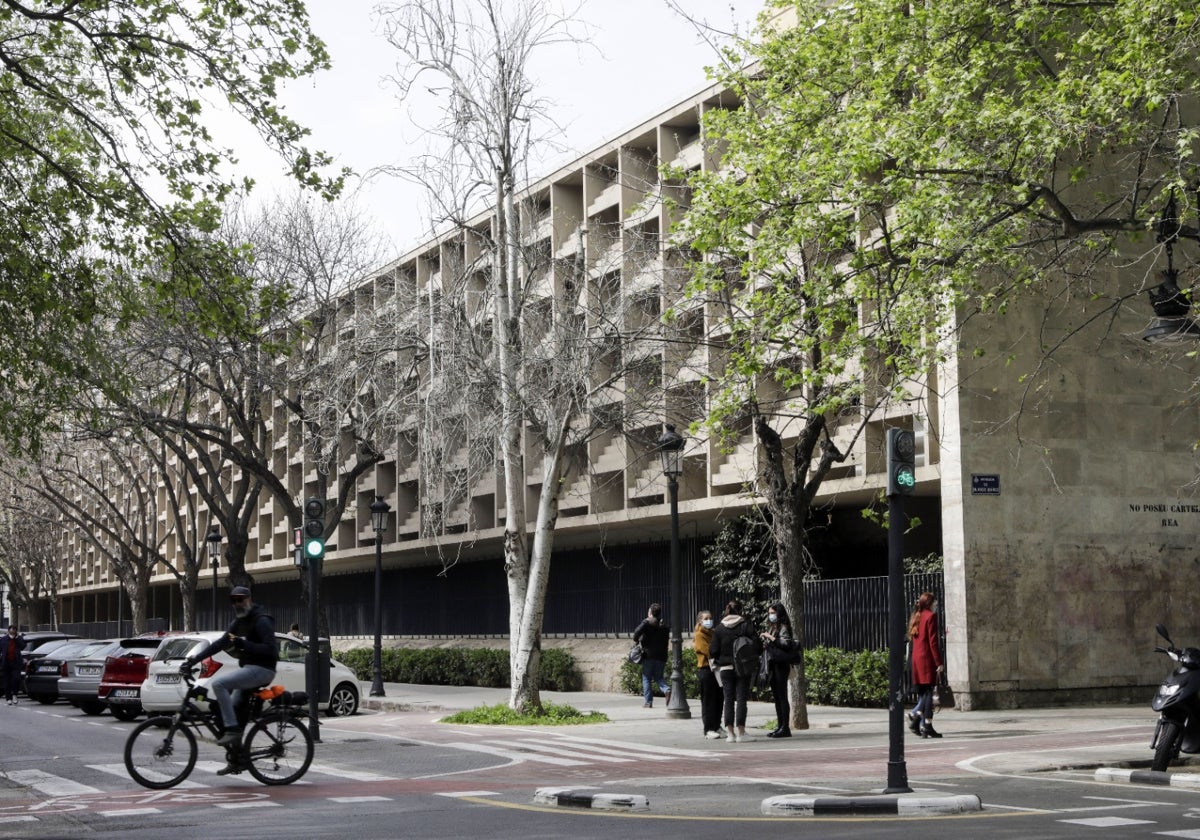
{"points": [[379, 521], [1172, 306], [214, 556], [670, 449]]}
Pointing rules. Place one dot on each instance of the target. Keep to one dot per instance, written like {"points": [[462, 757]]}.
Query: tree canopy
{"points": [[108, 168]]}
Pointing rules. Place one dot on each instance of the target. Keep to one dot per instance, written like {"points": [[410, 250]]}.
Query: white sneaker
{"points": [[739, 737], [711, 735], [730, 738]]}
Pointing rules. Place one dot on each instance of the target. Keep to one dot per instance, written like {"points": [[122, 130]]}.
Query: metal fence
{"points": [[852, 613], [108, 629]]}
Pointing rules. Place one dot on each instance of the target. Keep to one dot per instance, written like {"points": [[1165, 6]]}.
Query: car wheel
{"points": [[343, 701], [124, 712], [91, 707]]}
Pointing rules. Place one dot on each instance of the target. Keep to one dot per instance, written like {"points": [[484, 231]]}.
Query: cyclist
{"points": [[251, 637]]}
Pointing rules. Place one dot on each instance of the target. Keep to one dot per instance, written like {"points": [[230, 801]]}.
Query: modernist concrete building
{"points": [[1066, 514]]}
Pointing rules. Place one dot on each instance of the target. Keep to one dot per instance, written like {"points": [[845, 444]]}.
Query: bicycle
{"points": [[277, 749]]}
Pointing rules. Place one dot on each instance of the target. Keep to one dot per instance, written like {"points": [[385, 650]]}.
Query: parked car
{"points": [[163, 687], [42, 674], [120, 686], [81, 685], [38, 643]]}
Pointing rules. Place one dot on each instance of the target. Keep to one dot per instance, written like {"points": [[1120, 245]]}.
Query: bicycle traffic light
{"points": [[901, 462], [314, 528]]}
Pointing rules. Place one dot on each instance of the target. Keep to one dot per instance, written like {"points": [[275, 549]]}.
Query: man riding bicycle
{"points": [[251, 637]]}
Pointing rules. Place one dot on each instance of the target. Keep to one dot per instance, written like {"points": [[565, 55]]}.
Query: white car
{"points": [[163, 687]]}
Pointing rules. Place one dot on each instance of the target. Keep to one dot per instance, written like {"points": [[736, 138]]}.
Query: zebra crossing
{"points": [[575, 750]]}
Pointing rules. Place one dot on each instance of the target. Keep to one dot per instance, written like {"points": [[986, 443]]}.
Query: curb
{"points": [[571, 798], [1149, 777], [792, 805], [386, 705]]}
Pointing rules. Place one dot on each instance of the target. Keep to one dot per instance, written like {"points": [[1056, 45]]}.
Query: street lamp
{"points": [[670, 449], [1172, 306], [379, 518], [214, 556]]}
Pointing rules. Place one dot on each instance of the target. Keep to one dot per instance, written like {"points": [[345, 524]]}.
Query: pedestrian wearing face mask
{"points": [[927, 664], [711, 696], [781, 648]]}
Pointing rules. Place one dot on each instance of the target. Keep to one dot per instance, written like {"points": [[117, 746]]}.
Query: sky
{"points": [[640, 58]]}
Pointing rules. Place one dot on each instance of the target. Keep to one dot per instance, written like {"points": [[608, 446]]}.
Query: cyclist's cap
{"points": [[239, 592]]}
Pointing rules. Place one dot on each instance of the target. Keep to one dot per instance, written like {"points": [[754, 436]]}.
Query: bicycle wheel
{"points": [[157, 756], [279, 749]]}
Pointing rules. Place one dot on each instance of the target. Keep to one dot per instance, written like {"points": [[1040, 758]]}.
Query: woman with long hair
{"points": [[711, 699], [736, 688], [781, 646], [927, 664]]}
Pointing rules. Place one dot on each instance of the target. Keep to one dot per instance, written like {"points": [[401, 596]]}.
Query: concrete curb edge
{"points": [[572, 798], [1149, 777], [794, 805]]}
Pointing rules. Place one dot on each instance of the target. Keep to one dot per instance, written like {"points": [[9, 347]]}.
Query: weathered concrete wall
{"points": [[599, 658], [1053, 586]]}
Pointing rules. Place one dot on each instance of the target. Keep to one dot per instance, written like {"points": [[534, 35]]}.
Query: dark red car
{"points": [[121, 683]]}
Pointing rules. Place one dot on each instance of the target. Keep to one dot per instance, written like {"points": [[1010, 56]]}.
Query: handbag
{"points": [[636, 654]]}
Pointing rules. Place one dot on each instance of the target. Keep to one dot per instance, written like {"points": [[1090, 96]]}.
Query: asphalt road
{"points": [[402, 774]]}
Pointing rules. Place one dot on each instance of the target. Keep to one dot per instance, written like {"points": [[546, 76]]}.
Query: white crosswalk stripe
{"points": [[48, 784], [574, 751], [120, 772]]}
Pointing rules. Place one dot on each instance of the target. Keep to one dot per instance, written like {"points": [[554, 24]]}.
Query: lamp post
{"points": [[214, 556], [379, 520], [670, 449], [1172, 306]]}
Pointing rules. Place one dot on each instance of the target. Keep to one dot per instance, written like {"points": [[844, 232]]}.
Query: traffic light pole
{"points": [[897, 769]]}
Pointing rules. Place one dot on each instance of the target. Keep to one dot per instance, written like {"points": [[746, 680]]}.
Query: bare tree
{"points": [[30, 549], [544, 352]]}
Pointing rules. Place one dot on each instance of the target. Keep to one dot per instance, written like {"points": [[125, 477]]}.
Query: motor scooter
{"points": [[1178, 703]]}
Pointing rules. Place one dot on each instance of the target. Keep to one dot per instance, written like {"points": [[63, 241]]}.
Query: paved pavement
{"points": [[849, 747]]}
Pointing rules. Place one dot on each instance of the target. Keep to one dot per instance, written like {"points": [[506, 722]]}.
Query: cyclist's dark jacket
{"points": [[257, 631]]}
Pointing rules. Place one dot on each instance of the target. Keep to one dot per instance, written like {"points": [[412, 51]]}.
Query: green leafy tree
{"points": [[108, 169], [889, 170]]}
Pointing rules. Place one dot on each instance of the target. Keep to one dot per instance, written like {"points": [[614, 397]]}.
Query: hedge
{"points": [[835, 677], [484, 667]]}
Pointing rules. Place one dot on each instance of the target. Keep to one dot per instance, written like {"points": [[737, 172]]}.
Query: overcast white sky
{"points": [[643, 58]]}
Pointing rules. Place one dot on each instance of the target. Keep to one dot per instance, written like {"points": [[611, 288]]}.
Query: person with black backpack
{"points": [[782, 650], [733, 653]]}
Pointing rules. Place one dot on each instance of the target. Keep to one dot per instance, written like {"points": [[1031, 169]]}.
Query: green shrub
{"points": [[835, 677], [552, 714], [484, 667]]}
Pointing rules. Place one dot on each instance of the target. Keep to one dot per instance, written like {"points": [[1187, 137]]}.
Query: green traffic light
{"points": [[905, 477], [314, 548]]}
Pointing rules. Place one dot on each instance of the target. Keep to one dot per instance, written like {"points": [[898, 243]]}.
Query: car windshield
{"points": [[76, 649], [178, 648], [53, 647]]}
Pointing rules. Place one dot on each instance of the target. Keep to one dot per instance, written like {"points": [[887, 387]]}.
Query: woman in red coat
{"points": [[927, 664]]}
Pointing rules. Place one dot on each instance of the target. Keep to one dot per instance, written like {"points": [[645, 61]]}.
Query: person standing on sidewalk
{"points": [[710, 692], [720, 653], [11, 661], [927, 664], [780, 647], [652, 635]]}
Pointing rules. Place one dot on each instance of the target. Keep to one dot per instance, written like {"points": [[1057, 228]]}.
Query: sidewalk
{"points": [[1075, 737]]}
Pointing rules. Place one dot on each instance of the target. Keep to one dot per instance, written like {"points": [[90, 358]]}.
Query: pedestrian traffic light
{"points": [[901, 463], [314, 528]]}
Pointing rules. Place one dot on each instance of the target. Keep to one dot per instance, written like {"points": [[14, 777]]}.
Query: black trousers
{"points": [[737, 692], [711, 700], [778, 674]]}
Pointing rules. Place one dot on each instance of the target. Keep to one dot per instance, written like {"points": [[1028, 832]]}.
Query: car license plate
{"points": [[124, 692], [87, 670], [167, 679]]}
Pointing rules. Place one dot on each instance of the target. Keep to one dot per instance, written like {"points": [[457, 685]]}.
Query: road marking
{"points": [[637, 749], [130, 812], [231, 805], [1186, 834], [513, 756], [350, 800], [355, 775], [17, 819], [48, 784], [1107, 822], [455, 793], [1123, 803], [541, 749], [120, 771]]}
